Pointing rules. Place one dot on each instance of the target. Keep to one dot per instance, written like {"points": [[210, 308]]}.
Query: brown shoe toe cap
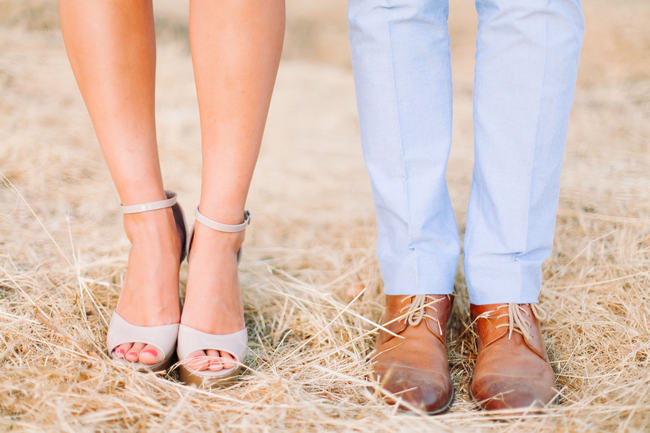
{"points": [[495, 392], [426, 390]]}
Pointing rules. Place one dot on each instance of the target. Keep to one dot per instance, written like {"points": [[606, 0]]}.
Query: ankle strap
{"points": [[152, 205], [228, 228]]}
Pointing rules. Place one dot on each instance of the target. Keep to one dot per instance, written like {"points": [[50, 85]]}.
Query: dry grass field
{"points": [[311, 283]]}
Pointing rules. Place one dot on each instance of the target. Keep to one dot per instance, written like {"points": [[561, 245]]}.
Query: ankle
{"points": [[156, 227], [216, 241], [231, 214]]}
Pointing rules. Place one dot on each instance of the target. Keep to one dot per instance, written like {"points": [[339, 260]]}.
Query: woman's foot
{"points": [[213, 301], [150, 293]]}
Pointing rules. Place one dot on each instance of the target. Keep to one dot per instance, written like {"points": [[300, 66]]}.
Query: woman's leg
{"points": [[236, 47], [112, 51]]}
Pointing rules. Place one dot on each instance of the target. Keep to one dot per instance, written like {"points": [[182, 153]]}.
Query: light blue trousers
{"points": [[527, 54]]}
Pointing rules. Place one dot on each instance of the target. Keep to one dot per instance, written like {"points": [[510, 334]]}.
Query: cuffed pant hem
{"points": [[506, 281], [488, 300], [418, 276]]}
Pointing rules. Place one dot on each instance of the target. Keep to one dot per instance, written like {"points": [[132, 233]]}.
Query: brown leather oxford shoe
{"points": [[412, 364], [512, 369]]}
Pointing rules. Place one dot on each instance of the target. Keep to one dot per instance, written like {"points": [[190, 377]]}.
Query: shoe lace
{"points": [[516, 317], [415, 311]]}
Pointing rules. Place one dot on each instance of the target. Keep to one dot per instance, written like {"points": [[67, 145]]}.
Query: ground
{"points": [[311, 283]]}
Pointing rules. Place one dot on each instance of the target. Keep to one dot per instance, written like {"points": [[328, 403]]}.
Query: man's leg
{"points": [[526, 64], [400, 54]]}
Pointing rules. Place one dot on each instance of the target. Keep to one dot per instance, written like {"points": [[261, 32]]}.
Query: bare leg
{"points": [[236, 47], [112, 51]]}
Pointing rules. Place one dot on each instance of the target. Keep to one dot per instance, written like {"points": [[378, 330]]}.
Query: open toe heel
{"points": [[191, 340], [162, 337]]}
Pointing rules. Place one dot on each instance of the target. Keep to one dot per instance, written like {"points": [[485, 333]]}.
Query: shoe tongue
{"points": [[415, 311], [507, 321]]}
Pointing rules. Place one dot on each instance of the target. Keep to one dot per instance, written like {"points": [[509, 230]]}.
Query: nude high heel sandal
{"points": [[162, 337], [192, 340]]}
